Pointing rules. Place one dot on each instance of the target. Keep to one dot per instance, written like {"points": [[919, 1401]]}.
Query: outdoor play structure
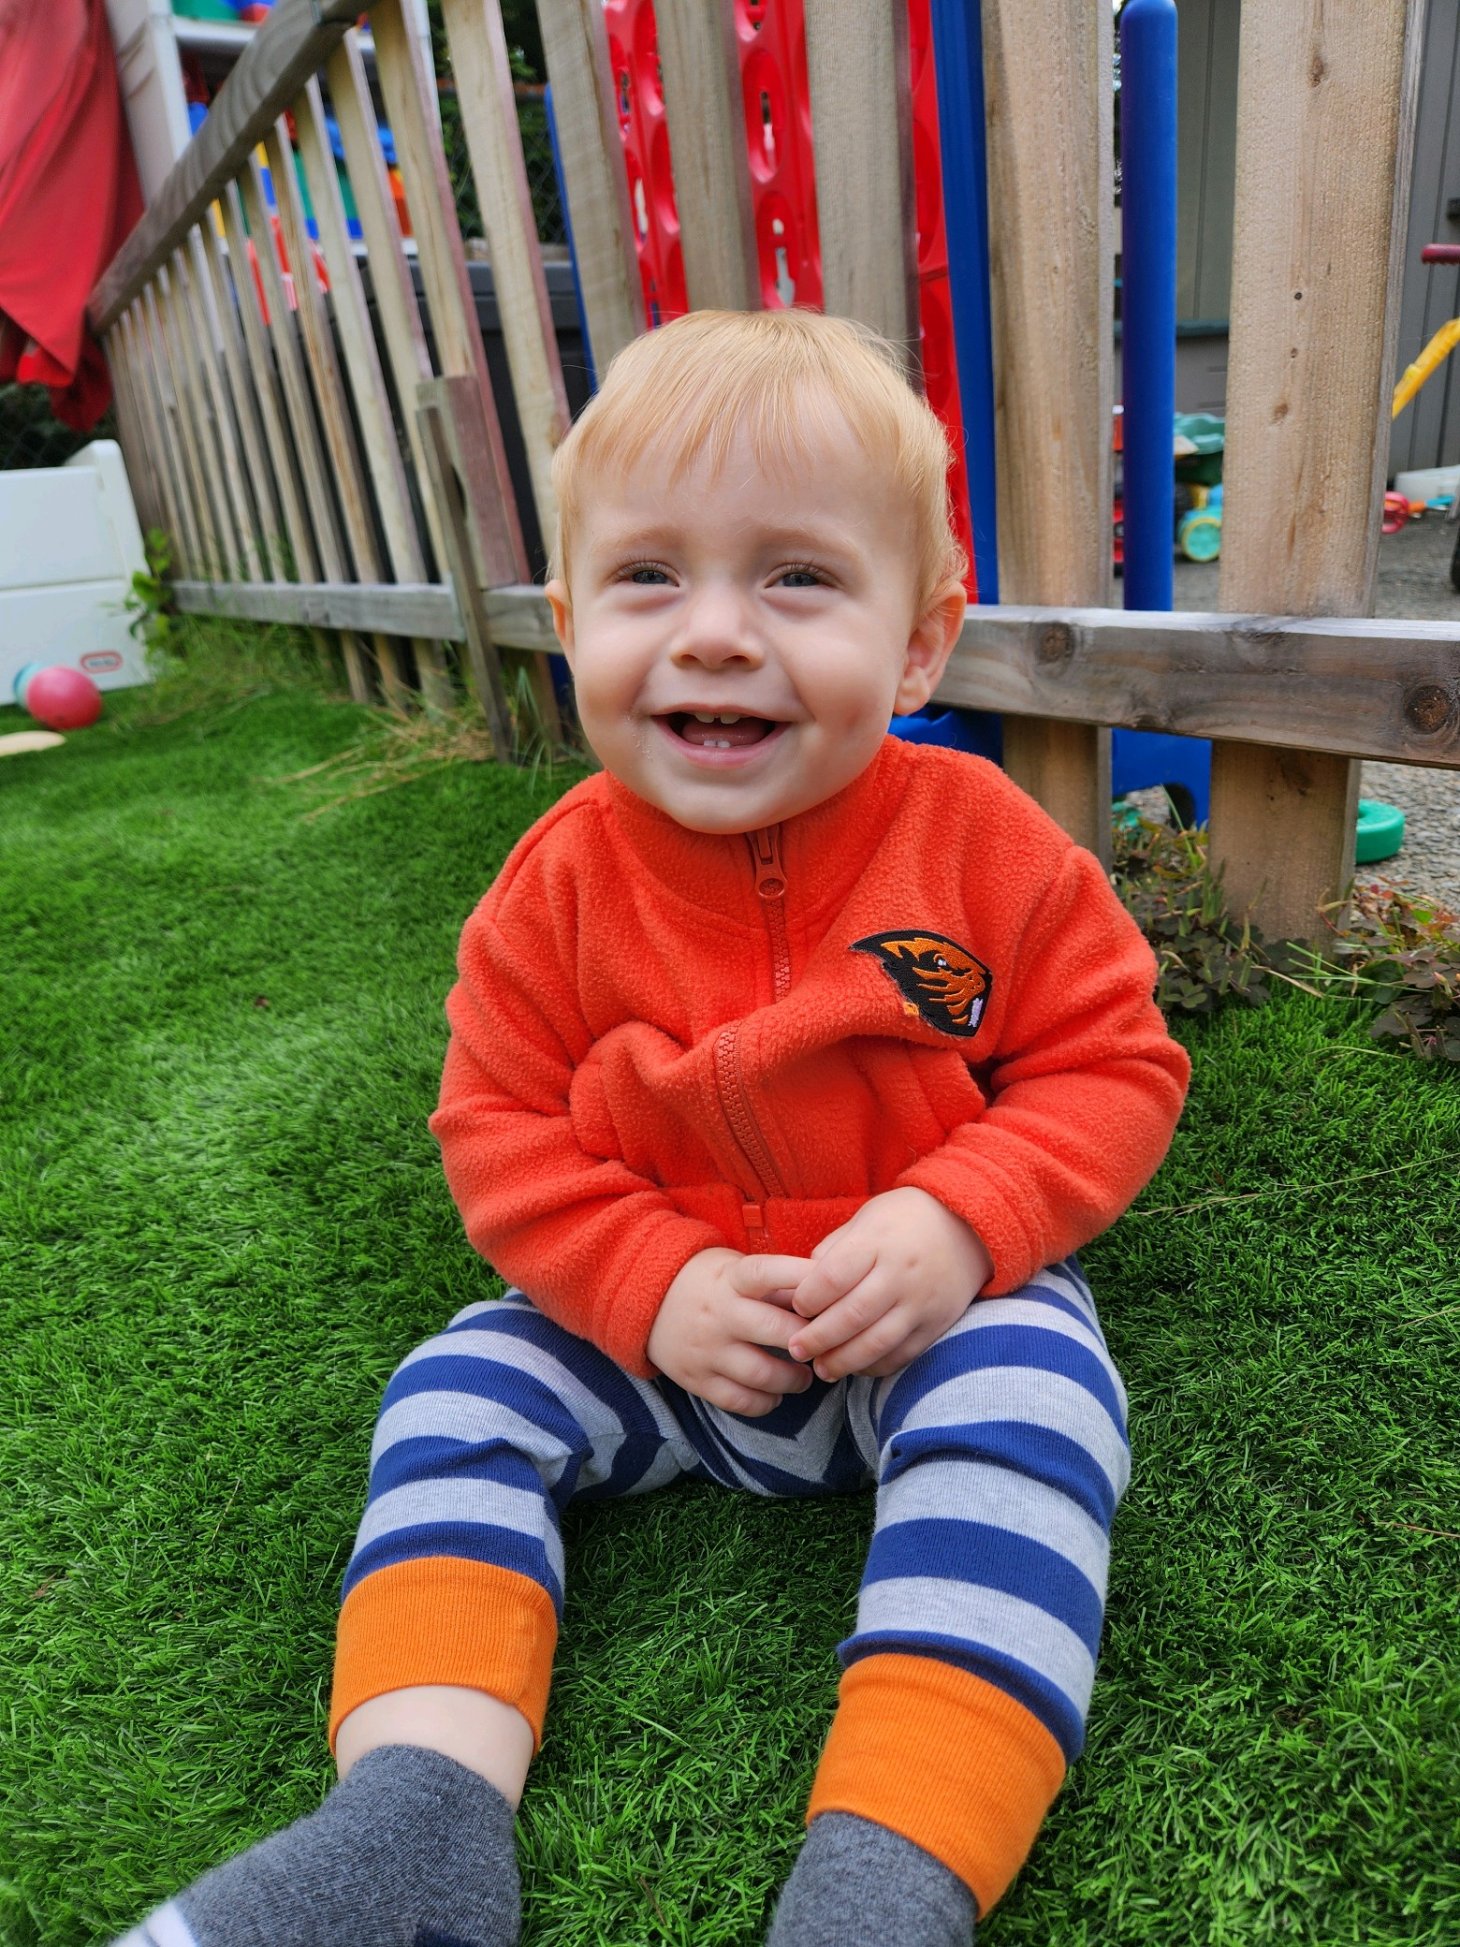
{"points": [[317, 465]]}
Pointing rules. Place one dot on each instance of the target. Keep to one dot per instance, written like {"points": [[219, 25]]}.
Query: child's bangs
{"points": [[788, 382], [699, 405]]}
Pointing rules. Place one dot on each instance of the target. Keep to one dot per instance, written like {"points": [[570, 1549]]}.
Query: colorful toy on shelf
{"points": [[59, 697]]}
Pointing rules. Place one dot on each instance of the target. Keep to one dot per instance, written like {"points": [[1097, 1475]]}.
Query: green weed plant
{"points": [[1389, 948]]}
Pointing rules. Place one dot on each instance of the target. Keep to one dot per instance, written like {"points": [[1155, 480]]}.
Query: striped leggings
{"points": [[998, 1456]]}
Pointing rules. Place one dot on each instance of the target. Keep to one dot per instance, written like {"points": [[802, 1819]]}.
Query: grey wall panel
{"points": [[1427, 432]]}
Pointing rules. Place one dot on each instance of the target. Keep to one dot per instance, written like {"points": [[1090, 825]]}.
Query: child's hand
{"points": [[886, 1285], [718, 1314]]}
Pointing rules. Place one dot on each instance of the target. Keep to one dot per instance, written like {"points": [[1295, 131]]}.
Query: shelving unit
{"points": [[150, 41]]}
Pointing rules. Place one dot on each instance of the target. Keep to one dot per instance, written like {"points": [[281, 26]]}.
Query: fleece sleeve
{"points": [[595, 1245], [1085, 1087]]}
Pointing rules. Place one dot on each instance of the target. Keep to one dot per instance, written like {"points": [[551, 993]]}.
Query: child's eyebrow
{"points": [[813, 539]]}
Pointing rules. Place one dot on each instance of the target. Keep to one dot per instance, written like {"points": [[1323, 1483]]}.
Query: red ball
{"points": [[62, 699]]}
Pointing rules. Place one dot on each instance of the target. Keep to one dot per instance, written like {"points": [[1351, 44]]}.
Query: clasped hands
{"points": [[872, 1295]]}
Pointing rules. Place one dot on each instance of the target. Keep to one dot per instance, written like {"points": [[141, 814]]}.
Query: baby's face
{"points": [[779, 605]]}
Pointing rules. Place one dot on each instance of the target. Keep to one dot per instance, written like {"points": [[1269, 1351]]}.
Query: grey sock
{"points": [[856, 1884], [410, 1849]]}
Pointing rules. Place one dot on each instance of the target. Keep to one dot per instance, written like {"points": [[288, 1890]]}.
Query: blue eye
{"points": [[801, 577], [646, 574]]}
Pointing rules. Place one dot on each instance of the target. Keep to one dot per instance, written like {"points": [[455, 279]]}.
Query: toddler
{"points": [[790, 1065]]}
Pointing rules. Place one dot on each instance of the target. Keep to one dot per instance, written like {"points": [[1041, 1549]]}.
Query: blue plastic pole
{"points": [[958, 61], [1148, 293]]}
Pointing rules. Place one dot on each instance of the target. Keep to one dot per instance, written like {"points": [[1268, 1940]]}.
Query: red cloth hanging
{"points": [[68, 196]]}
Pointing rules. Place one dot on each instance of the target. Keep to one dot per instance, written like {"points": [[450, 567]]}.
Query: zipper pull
{"points": [[765, 856]]}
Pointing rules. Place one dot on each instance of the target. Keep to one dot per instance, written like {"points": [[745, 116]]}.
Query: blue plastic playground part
{"points": [[1138, 758], [1142, 758], [1148, 293], [979, 731], [958, 64]]}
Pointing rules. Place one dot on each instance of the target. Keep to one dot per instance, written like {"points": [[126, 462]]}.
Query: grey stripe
{"points": [[482, 1502], [977, 1490], [863, 1404], [1043, 1399], [981, 1617]]}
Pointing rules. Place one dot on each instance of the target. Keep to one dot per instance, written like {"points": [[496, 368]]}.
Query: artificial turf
{"points": [[222, 1222]]}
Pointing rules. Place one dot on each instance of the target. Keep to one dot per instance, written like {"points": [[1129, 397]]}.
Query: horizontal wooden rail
{"points": [[1365, 688], [290, 46], [390, 608], [1386, 690]]}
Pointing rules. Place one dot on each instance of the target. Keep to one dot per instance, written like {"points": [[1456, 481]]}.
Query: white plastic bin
{"points": [[69, 546]]}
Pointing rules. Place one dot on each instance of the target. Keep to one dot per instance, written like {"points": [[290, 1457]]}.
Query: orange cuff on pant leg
{"points": [[443, 1620], [944, 1758]]}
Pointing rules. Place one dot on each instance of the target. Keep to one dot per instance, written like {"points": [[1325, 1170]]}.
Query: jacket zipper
{"points": [[770, 886]]}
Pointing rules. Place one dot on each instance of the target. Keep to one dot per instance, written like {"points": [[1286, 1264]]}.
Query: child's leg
{"points": [[1001, 1454], [446, 1641]]}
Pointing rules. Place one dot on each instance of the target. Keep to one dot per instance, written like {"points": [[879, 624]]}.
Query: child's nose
{"points": [[716, 629]]}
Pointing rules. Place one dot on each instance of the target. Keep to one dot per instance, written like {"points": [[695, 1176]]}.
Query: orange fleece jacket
{"points": [[663, 1040]]}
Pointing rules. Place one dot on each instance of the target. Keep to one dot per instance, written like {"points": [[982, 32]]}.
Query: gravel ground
{"points": [[1414, 580]]}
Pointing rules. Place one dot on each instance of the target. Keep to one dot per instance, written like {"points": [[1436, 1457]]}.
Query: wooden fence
{"points": [[353, 478]]}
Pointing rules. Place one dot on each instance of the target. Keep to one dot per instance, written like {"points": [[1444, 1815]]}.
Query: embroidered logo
{"points": [[938, 979]]}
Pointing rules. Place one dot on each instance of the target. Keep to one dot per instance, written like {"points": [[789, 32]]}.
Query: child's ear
{"points": [[560, 602], [929, 647]]}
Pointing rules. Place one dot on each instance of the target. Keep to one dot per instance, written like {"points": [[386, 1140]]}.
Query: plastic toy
{"points": [[1380, 831], [58, 697], [1199, 531], [1397, 510]]}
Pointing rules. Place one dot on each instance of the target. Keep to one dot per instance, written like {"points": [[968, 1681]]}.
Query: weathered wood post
{"points": [[1325, 130]]}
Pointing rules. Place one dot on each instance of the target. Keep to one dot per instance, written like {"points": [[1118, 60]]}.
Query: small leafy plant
{"points": [[148, 600], [1390, 947], [1402, 951]]}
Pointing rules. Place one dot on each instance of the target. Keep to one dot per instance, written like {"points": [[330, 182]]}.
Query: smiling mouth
{"points": [[725, 731]]}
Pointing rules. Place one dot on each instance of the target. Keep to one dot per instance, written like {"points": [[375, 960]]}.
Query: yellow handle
{"points": [[1434, 354]]}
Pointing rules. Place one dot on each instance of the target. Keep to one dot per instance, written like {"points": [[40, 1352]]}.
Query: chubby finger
{"points": [[742, 1400], [759, 1321], [752, 1366], [862, 1306], [767, 1275], [831, 1277], [879, 1350]]}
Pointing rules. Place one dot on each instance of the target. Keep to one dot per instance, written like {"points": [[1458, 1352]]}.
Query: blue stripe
{"points": [[991, 1558], [987, 1348], [1036, 1452], [1026, 1685], [471, 1541], [432, 1457], [589, 1366]]}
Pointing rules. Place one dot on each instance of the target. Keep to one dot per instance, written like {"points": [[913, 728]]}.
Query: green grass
{"points": [[222, 1222]]}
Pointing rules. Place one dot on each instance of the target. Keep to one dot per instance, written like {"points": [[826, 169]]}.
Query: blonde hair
{"points": [[782, 377]]}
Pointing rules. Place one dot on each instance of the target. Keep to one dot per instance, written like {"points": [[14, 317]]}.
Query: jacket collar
{"points": [[823, 851]]}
